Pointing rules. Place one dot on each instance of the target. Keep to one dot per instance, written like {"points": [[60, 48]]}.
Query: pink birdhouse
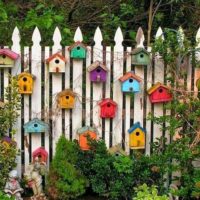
{"points": [[7, 58], [107, 108], [159, 93], [41, 153]]}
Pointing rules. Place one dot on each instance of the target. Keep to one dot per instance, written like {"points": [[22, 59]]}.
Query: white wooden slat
{"points": [[97, 87], [107, 94], [36, 95], [46, 97], [77, 88], [26, 111], [6, 77], [56, 87], [128, 105], [67, 86], [88, 88], [148, 108], [117, 94], [16, 48]]}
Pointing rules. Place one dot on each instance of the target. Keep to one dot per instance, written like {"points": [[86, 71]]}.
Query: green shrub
{"points": [[144, 192], [65, 181], [5, 197]]}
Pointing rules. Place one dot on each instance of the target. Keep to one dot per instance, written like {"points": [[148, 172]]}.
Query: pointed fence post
{"points": [[97, 87], [117, 94], [36, 95], [197, 57], [56, 88], [15, 70], [77, 88]]}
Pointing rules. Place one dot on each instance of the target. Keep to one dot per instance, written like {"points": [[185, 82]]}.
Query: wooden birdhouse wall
{"points": [[98, 75], [137, 139], [131, 85], [161, 94], [57, 65], [66, 101], [5, 60], [78, 52], [25, 83], [108, 110], [83, 141], [140, 58]]}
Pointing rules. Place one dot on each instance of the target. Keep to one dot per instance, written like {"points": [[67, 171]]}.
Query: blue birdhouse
{"points": [[78, 50], [36, 126], [130, 83]]}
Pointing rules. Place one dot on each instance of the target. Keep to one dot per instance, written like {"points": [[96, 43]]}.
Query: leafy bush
{"points": [[65, 181], [144, 192], [8, 155], [5, 197]]}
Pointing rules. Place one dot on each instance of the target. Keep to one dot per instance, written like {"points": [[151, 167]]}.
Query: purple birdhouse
{"points": [[98, 72]]}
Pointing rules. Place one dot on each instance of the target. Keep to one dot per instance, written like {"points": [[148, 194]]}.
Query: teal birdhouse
{"points": [[78, 50], [36, 126], [140, 56]]}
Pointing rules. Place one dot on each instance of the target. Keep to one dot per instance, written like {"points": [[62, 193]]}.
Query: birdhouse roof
{"points": [[96, 64], [138, 50], [135, 126], [130, 75], [26, 74], [117, 149], [36, 121], [66, 92], [9, 53], [54, 56], [40, 150], [2, 104], [156, 86], [85, 129], [105, 101], [78, 43]]}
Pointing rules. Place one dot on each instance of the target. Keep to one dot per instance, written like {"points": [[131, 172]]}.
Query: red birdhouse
{"points": [[159, 93], [41, 153], [107, 108]]}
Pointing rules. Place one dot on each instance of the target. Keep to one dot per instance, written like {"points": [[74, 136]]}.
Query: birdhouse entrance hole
{"points": [[78, 48], [35, 125], [137, 133], [24, 79], [57, 61], [4, 56], [141, 55], [67, 97], [108, 105], [160, 90], [98, 70], [131, 80]]}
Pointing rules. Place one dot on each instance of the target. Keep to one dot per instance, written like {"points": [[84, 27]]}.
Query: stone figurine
{"points": [[12, 187]]}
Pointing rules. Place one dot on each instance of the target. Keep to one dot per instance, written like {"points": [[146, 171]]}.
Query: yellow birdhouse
{"points": [[137, 136], [25, 83], [66, 99]]}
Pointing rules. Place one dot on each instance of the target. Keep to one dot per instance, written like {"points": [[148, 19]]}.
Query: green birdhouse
{"points": [[78, 50], [140, 56]]}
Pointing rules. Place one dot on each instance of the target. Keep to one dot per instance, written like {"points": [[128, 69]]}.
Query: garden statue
{"points": [[13, 188], [33, 175]]}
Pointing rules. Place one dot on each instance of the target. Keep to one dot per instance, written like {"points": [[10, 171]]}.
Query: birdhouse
{"points": [[84, 133], [41, 153], [8, 58], [98, 72], [78, 50], [36, 126], [56, 63], [159, 93], [140, 56], [25, 83], [137, 136], [8, 142], [117, 151], [66, 99], [107, 108], [130, 82]]}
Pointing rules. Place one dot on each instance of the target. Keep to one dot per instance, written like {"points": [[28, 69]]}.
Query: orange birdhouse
{"points": [[25, 83], [84, 133], [66, 99]]}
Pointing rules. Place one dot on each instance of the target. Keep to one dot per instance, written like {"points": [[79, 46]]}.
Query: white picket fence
{"points": [[42, 102]]}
